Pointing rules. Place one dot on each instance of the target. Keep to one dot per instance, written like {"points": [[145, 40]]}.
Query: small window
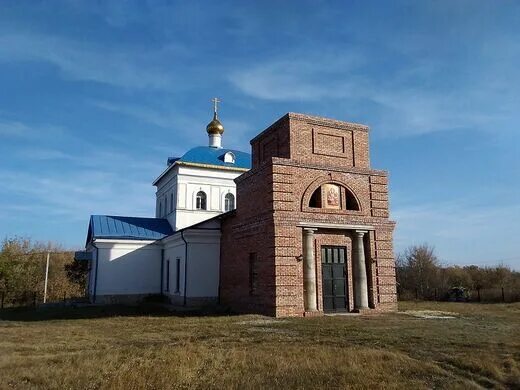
{"points": [[171, 202], [229, 157], [253, 273], [229, 202], [178, 275], [201, 200], [167, 275]]}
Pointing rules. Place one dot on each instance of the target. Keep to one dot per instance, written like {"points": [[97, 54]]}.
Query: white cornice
{"points": [[211, 166], [322, 225], [125, 244]]}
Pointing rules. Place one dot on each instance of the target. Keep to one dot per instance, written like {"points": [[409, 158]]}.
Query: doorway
{"points": [[334, 278]]}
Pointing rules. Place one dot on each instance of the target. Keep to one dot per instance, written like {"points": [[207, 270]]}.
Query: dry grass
{"points": [[90, 349]]}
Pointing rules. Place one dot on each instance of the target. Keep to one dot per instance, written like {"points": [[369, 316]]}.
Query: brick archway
{"points": [[330, 178]]}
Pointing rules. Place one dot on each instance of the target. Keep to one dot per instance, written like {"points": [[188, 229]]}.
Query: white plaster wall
{"points": [[215, 183], [172, 252], [128, 267], [203, 265], [203, 269], [166, 187], [185, 182]]}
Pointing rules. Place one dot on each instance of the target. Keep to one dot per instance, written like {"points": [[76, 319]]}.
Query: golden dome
{"points": [[215, 127]]}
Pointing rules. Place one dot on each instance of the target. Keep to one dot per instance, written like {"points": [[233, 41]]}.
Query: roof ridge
{"points": [[125, 216]]}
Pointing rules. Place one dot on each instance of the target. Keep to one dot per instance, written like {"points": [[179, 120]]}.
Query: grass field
{"points": [[92, 348]]}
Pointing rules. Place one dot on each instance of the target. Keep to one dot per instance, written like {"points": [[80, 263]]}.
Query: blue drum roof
{"points": [[215, 156], [128, 228]]}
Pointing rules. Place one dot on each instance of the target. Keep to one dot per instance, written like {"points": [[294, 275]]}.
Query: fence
{"points": [[484, 295], [31, 298]]}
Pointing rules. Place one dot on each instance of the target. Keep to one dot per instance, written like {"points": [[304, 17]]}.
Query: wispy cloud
{"points": [[14, 129], [43, 154], [302, 76], [416, 98], [162, 118], [180, 124], [75, 195], [128, 67], [91, 179]]}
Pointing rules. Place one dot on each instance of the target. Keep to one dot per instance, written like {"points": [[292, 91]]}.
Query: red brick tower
{"points": [[311, 232]]}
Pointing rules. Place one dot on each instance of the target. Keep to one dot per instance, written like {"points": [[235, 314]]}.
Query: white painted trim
{"points": [[123, 241], [128, 244], [211, 166], [323, 225], [168, 168]]}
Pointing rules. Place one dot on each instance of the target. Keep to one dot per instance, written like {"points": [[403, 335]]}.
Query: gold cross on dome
{"points": [[215, 101]]}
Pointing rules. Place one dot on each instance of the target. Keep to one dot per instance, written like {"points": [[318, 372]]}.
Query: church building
{"points": [[299, 227]]}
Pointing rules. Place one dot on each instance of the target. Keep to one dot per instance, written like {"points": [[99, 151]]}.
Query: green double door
{"points": [[334, 278]]}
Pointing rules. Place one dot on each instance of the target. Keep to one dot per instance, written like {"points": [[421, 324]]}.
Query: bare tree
{"points": [[418, 270]]}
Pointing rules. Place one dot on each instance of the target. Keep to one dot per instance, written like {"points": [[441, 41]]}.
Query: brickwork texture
{"points": [[262, 240]]}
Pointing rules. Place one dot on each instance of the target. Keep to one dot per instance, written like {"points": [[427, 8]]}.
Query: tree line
{"points": [[420, 275], [22, 272]]}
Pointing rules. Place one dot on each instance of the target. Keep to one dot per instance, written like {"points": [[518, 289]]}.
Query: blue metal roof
{"points": [[128, 228], [215, 156]]}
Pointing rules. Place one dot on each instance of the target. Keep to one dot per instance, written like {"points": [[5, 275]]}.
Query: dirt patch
{"points": [[261, 322], [431, 314]]}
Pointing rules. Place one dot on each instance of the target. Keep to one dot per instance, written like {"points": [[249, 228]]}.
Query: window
{"points": [[167, 275], [316, 199], [350, 201], [160, 209], [333, 196], [165, 205], [178, 275], [253, 273], [229, 157], [229, 202], [171, 202], [201, 200]]}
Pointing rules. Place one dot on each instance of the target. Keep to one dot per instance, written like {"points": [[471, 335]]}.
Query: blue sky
{"points": [[94, 96]]}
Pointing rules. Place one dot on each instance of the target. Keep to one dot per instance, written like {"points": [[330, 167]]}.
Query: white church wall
{"points": [[127, 270], [166, 187], [174, 249], [203, 265], [181, 195], [201, 270], [184, 181], [214, 182], [215, 198]]}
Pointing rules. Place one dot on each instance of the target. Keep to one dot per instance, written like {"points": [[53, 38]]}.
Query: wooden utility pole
{"points": [[46, 277]]}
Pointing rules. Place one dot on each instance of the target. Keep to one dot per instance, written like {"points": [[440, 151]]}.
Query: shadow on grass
{"points": [[104, 311]]}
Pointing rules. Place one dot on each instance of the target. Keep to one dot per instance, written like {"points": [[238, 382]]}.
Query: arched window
{"points": [[201, 200], [229, 202], [333, 196], [171, 202], [229, 157]]}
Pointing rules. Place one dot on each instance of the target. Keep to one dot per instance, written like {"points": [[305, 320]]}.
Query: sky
{"points": [[96, 95]]}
